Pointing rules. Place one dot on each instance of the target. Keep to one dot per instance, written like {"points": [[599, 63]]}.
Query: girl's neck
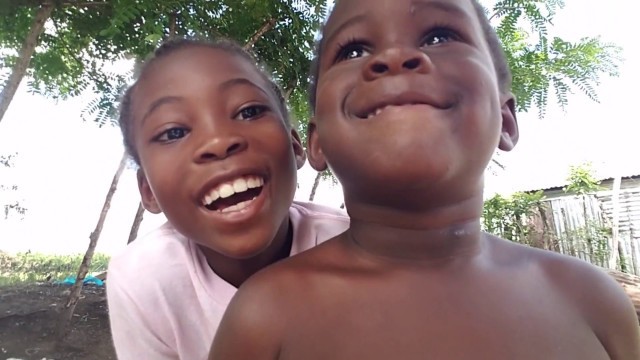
{"points": [[236, 271]]}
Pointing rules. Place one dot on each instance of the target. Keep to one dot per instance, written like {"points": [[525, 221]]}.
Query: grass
{"points": [[24, 268]]}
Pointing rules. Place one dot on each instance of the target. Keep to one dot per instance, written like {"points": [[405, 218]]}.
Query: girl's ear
{"points": [[148, 199]]}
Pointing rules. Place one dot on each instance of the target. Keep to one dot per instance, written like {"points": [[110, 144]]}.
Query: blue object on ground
{"points": [[70, 280]]}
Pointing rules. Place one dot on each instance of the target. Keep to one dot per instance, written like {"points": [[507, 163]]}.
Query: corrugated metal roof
{"points": [[543, 182], [560, 186]]}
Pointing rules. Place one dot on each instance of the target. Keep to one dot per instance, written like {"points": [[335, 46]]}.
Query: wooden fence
{"points": [[581, 226]]}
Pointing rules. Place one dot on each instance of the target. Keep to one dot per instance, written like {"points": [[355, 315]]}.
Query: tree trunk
{"points": [[172, 25], [263, 30], [74, 295], [24, 57], [316, 183], [289, 89], [136, 224]]}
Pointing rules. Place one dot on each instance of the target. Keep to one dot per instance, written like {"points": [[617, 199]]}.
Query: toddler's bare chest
{"points": [[440, 322]]}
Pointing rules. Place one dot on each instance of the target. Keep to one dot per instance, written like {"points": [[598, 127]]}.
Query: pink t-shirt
{"points": [[165, 302]]}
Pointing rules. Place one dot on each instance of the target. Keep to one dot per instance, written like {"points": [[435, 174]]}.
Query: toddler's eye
{"points": [[251, 112], [172, 134], [440, 36], [352, 50]]}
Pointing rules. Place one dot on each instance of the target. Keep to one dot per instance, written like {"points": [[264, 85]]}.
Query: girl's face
{"points": [[216, 156]]}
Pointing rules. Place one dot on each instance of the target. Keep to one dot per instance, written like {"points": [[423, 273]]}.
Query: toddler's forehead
{"points": [[345, 8]]}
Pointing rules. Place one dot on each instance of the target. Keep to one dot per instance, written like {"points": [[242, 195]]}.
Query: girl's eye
{"points": [[251, 112], [172, 134], [440, 36], [351, 50]]}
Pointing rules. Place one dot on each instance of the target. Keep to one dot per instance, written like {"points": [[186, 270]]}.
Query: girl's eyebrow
{"points": [[226, 85], [157, 103]]}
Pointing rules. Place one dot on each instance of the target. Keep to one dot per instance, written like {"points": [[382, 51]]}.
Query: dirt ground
{"points": [[29, 315]]}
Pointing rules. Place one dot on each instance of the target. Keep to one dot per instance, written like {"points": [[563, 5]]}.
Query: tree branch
{"points": [[64, 3], [268, 25], [502, 9], [84, 4], [289, 89], [24, 57], [66, 45]]}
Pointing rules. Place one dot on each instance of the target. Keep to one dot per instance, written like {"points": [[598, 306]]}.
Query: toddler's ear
{"points": [[510, 134], [148, 199], [314, 151]]}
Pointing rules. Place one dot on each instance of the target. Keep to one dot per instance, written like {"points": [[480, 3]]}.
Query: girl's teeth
{"points": [[254, 182], [237, 207], [240, 185], [226, 190], [236, 186]]}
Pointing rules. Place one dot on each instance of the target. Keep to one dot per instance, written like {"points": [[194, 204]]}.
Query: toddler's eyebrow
{"points": [[350, 22]]}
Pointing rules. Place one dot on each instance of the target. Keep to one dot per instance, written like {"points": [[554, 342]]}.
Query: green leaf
{"points": [[153, 38]]}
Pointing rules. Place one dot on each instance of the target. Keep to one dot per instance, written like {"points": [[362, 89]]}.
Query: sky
{"points": [[64, 166]]}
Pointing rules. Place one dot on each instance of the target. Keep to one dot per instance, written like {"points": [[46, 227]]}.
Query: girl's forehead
{"points": [[191, 72], [205, 56], [196, 65]]}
